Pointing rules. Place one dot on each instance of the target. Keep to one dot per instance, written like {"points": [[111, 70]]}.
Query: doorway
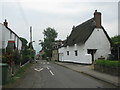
{"points": [[92, 52]]}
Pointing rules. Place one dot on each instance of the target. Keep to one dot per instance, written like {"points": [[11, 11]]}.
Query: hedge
{"points": [[108, 63]]}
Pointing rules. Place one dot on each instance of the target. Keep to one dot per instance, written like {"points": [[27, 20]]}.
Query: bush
{"points": [[25, 58], [108, 63], [28, 57], [4, 59], [16, 57]]}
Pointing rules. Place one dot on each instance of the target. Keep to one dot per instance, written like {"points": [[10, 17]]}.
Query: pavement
{"points": [[89, 70]]}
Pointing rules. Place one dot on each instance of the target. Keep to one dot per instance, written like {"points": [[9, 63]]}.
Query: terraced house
{"points": [[87, 42]]}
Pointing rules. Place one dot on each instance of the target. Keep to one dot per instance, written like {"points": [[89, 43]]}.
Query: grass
{"points": [[108, 63], [18, 75]]}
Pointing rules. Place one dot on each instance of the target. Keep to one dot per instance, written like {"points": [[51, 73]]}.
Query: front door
{"points": [[92, 52]]}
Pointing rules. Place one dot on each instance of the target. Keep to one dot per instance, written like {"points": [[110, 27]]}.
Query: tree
{"points": [[116, 47], [26, 51], [49, 37], [24, 42], [116, 39]]}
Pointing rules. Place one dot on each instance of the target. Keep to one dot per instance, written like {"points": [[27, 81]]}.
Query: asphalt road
{"points": [[46, 74]]}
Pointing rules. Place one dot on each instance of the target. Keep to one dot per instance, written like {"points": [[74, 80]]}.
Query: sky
{"points": [[58, 14]]}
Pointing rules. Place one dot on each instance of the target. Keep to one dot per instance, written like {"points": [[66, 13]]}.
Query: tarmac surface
{"points": [[89, 70], [44, 74]]}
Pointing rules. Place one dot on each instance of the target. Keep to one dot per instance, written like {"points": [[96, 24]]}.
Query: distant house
{"points": [[87, 42], [8, 36], [56, 45]]}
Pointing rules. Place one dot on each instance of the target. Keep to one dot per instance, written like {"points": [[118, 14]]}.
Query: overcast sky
{"points": [[58, 14]]}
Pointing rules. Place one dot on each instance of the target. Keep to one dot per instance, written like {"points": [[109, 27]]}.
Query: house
{"points": [[87, 42], [56, 45], [8, 37]]}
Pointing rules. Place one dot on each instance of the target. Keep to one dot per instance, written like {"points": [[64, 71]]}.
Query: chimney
{"points": [[6, 23], [97, 18]]}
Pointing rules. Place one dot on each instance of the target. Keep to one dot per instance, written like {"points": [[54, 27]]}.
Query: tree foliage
{"points": [[116, 47], [49, 37], [24, 42], [116, 39], [27, 52]]}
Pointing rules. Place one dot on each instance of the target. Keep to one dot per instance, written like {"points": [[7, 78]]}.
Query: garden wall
{"points": [[107, 66]]}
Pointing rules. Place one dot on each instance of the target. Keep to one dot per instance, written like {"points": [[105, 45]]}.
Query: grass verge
{"points": [[17, 76]]}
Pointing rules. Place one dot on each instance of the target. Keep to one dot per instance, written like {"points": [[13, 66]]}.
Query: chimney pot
{"points": [[6, 23]]}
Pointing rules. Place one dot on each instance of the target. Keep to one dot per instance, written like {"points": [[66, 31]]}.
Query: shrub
{"points": [[25, 58], [108, 63], [4, 59], [28, 57], [16, 57]]}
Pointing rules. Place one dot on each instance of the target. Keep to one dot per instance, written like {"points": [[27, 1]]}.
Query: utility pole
{"points": [[30, 42], [31, 35]]}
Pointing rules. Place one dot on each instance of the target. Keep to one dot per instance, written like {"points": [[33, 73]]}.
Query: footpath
{"points": [[89, 70]]}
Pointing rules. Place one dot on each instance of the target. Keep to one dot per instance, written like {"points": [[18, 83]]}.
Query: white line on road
{"points": [[41, 69], [38, 69], [51, 72], [48, 68]]}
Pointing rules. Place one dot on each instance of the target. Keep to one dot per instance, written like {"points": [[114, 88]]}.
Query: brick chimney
{"points": [[97, 18], [5, 23]]}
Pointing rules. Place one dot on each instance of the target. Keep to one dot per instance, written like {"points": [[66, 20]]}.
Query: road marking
{"points": [[38, 69], [48, 68], [41, 69], [47, 62], [51, 72]]}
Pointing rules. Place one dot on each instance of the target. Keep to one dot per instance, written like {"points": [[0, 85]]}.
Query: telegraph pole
{"points": [[30, 41], [31, 34]]}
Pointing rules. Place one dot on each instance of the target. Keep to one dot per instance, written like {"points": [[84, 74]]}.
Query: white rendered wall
{"points": [[82, 56], [5, 36], [99, 41], [60, 51], [20, 45]]}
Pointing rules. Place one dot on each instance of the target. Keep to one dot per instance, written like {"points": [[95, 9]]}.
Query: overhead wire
{"points": [[22, 13]]}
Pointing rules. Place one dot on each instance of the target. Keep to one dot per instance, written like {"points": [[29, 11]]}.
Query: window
{"points": [[76, 53], [67, 52]]}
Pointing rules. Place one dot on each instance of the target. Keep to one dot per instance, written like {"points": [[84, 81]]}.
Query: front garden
{"points": [[108, 66]]}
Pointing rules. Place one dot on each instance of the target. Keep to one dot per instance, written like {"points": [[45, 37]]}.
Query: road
{"points": [[46, 74]]}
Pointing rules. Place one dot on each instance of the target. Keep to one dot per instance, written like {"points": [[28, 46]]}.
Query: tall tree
{"points": [[49, 37]]}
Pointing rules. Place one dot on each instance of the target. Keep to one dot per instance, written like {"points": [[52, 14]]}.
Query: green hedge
{"points": [[108, 63]]}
